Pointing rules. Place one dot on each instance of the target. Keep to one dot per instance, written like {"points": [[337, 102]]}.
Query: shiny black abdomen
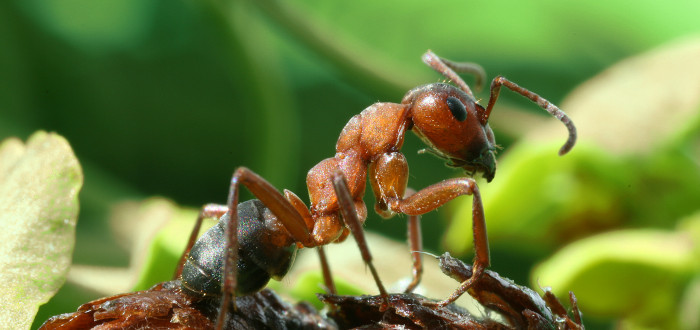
{"points": [[260, 256]]}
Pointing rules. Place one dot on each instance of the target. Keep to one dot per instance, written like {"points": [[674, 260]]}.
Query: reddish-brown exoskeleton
{"points": [[447, 118]]}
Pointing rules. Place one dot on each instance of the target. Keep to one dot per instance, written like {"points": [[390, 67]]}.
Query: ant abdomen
{"points": [[265, 251]]}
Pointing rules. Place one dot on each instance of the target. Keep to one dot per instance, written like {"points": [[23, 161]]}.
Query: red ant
{"points": [[256, 240], [448, 119]]}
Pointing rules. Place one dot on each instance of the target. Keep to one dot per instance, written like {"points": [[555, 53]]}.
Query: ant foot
{"points": [[435, 304], [385, 304]]}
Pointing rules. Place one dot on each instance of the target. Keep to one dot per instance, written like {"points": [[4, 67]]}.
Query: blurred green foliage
{"points": [[168, 97], [39, 185], [636, 170]]}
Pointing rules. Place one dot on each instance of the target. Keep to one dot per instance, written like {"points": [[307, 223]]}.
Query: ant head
{"points": [[448, 120], [455, 126]]}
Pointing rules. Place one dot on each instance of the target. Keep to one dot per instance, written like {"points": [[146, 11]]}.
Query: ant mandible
{"points": [[448, 119]]}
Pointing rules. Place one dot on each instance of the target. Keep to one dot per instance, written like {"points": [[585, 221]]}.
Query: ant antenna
{"points": [[449, 69]]}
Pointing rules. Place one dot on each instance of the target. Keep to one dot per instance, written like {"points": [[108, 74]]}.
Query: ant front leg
{"points": [[347, 210], [388, 177], [282, 208], [215, 211], [434, 196]]}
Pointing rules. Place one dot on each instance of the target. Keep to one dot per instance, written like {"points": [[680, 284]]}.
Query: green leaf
{"points": [[633, 273], [640, 105], [309, 283], [632, 163], [39, 185], [540, 199], [689, 304]]}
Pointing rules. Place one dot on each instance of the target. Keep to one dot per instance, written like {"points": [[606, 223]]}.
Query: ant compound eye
{"points": [[459, 111]]}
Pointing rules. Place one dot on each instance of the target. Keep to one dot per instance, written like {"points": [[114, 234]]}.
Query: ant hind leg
{"points": [[280, 207], [215, 211]]}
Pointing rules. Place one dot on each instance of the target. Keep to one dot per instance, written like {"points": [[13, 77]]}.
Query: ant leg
{"points": [[435, 196], [208, 211], [347, 210], [543, 103], [280, 207], [388, 175], [575, 310], [415, 242], [326, 269], [304, 211]]}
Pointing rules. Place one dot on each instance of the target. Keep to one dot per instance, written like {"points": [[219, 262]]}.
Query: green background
{"points": [[169, 97]]}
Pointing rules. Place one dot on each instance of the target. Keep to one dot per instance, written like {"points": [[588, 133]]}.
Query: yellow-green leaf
{"points": [[634, 273], [39, 185]]}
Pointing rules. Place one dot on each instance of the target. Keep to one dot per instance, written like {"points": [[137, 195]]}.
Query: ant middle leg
{"points": [[347, 210], [415, 243], [326, 270]]}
